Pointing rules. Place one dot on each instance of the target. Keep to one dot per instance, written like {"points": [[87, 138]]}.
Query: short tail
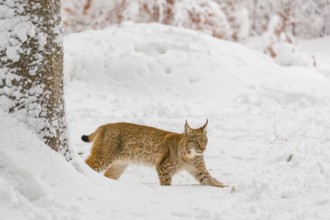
{"points": [[84, 138], [88, 138]]}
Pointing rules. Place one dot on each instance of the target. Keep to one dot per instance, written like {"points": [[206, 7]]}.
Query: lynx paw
{"points": [[221, 185], [218, 184]]}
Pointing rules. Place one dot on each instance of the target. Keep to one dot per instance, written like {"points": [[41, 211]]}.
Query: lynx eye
{"points": [[194, 142]]}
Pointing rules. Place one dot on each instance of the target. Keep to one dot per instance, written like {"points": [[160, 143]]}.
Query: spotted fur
{"points": [[117, 145]]}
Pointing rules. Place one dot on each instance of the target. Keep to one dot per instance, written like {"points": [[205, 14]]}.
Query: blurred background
{"points": [[273, 27]]}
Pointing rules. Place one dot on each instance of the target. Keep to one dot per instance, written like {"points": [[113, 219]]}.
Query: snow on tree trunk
{"points": [[31, 68]]}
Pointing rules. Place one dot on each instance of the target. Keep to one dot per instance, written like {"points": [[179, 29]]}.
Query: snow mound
{"points": [[175, 73]]}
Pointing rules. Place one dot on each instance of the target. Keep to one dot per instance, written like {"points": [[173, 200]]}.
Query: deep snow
{"points": [[259, 114]]}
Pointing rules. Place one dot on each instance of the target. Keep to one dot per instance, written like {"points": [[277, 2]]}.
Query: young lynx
{"points": [[116, 145]]}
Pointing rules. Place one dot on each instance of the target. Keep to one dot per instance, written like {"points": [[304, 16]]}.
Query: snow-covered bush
{"points": [[229, 19], [201, 15], [301, 18]]}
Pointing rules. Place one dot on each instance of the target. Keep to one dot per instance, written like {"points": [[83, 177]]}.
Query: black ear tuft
{"points": [[187, 129], [205, 126]]}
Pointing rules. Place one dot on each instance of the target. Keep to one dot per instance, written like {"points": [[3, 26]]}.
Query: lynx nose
{"points": [[200, 150]]}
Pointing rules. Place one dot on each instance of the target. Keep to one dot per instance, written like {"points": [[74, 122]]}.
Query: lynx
{"points": [[118, 144]]}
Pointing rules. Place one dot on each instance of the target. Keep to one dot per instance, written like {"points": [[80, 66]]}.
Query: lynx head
{"points": [[196, 140]]}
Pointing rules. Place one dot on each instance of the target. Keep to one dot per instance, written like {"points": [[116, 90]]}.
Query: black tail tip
{"points": [[84, 138]]}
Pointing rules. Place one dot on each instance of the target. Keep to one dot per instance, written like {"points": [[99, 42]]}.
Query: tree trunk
{"points": [[31, 68]]}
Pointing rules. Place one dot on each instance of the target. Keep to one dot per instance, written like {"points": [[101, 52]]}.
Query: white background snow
{"points": [[259, 114]]}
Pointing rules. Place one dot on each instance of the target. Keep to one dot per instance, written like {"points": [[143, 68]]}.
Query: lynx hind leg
{"points": [[98, 160], [115, 170], [96, 163]]}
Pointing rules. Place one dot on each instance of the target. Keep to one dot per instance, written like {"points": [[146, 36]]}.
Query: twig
{"points": [[276, 134]]}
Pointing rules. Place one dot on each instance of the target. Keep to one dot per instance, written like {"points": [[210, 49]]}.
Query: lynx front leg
{"points": [[165, 172], [198, 170]]}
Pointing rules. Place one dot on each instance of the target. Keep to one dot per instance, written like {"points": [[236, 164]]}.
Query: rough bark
{"points": [[31, 62]]}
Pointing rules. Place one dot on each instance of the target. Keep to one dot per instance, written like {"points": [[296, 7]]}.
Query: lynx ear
{"points": [[205, 126], [187, 129]]}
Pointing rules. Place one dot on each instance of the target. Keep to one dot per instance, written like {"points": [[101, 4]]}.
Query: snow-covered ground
{"points": [[319, 49], [268, 131]]}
